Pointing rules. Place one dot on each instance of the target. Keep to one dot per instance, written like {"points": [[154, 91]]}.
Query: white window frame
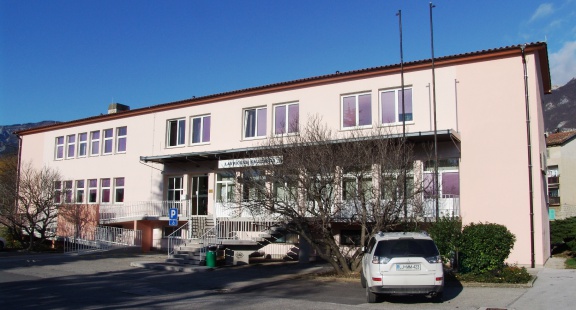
{"points": [[357, 116], [70, 146], [287, 125], [107, 139], [180, 141], [103, 188], [90, 189], [95, 151], [202, 122], [79, 191], [82, 144], [119, 187], [119, 138], [256, 122], [397, 106], [60, 145]]}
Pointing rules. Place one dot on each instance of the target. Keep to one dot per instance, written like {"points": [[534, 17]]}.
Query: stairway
{"points": [[238, 249]]}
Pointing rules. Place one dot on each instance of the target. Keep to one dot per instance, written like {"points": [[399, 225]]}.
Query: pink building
{"points": [[132, 166]]}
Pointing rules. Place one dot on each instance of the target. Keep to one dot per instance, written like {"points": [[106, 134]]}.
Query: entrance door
{"points": [[199, 192]]}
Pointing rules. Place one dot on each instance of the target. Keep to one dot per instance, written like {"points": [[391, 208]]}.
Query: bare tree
{"points": [[314, 181], [8, 195], [35, 213]]}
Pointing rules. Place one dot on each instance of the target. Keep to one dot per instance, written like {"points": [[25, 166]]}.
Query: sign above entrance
{"points": [[249, 162]]}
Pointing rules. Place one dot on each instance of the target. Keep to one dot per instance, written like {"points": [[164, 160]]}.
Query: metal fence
{"points": [[102, 238]]}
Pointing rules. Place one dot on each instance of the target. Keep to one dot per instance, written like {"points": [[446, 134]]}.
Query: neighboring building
{"points": [[561, 161], [132, 165]]}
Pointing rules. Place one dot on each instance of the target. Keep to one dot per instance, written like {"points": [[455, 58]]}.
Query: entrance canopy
{"points": [[414, 137]]}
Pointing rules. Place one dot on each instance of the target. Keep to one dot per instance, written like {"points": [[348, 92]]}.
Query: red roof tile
{"points": [[559, 138]]}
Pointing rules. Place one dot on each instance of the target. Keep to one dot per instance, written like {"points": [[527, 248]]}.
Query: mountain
{"points": [[9, 141], [560, 108]]}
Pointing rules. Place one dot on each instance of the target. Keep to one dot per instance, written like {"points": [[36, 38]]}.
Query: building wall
{"points": [[564, 157], [483, 100]]}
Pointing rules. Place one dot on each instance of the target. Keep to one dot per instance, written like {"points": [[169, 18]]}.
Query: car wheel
{"points": [[371, 297], [362, 279]]}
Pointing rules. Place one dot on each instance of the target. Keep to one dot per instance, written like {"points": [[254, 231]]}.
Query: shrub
{"points": [[563, 235], [484, 247], [506, 274], [446, 233]]}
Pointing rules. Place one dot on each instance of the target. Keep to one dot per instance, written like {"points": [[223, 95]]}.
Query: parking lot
{"points": [[113, 281]]}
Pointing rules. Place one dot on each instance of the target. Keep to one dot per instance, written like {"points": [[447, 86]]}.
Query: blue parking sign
{"points": [[173, 222], [173, 214]]}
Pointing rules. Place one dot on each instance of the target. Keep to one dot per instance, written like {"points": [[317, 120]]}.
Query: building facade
{"points": [[561, 161], [132, 166]]}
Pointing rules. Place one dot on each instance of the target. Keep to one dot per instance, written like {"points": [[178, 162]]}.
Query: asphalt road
{"points": [[104, 281]]}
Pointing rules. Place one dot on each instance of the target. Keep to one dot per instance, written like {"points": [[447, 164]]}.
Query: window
{"points": [[70, 146], [68, 191], [350, 237], [79, 196], [255, 122], [94, 143], [119, 190], [200, 129], [225, 187], [286, 118], [356, 110], [175, 188], [391, 106], [121, 136], [108, 141], [448, 178], [105, 190], [82, 144], [356, 188], [176, 132], [168, 230], [59, 152], [92, 191], [58, 190]]}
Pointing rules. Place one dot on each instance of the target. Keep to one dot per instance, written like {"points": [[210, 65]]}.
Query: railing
{"points": [[554, 200], [448, 206], [554, 180], [102, 238], [115, 212], [176, 239]]}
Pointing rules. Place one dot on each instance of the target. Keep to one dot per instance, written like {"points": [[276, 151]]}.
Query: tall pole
{"points": [[436, 185], [404, 200]]}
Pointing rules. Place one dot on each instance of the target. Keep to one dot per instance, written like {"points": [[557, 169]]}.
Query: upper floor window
{"points": [[68, 191], [105, 190], [58, 190], [79, 195], [176, 132], [391, 106], [255, 122], [94, 143], [200, 129], [70, 146], [92, 191], [59, 151], [82, 144], [286, 118], [356, 110], [119, 190], [121, 136], [108, 141], [175, 188]]}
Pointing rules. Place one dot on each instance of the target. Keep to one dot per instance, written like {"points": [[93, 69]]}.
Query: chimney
{"points": [[117, 107]]}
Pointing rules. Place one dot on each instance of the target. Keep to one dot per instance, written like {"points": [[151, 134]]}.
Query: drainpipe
{"points": [[19, 163], [530, 185]]}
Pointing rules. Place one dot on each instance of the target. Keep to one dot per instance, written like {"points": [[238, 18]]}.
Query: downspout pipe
{"points": [[529, 140]]}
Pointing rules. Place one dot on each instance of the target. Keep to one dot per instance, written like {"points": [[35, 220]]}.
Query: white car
{"points": [[406, 263]]}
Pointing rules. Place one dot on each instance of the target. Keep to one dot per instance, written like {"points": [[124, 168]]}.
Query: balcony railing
{"points": [[141, 209], [554, 180]]}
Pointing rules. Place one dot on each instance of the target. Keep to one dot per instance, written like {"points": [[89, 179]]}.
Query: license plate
{"points": [[407, 267]]}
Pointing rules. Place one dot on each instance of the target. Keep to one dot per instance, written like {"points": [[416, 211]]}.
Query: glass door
{"points": [[199, 195]]}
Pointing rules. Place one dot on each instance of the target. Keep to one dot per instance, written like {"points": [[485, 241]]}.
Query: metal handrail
{"points": [[173, 243]]}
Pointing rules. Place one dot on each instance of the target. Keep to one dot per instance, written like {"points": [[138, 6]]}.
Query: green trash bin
{"points": [[211, 257]]}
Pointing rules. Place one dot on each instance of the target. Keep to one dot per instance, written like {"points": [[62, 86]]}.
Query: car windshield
{"points": [[406, 248]]}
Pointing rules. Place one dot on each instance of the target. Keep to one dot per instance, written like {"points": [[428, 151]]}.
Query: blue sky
{"points": [[64, 60]]}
